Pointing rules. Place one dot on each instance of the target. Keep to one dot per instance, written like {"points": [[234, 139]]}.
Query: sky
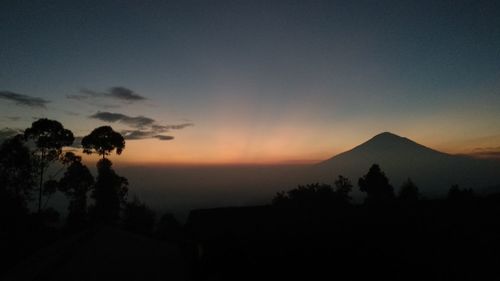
{"points": [[221, 82]]}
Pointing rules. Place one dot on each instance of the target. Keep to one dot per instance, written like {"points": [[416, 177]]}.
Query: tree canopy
{"points": [[103, 141], [376, 185], [76, 182], [49, 137]]}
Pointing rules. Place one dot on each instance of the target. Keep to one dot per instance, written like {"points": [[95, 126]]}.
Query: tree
{"points": [[16, 174], [309, 196], [76, 182], [376, 185], [110, 191], [343, 187], [457, 194], [103, 141], [409, 192], [49, 137]]}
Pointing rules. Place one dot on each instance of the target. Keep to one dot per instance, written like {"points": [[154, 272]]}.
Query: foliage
{"points": [[16, 179], [376, 185], [457, 194], [16, 170], [343, 187], [103, 141], [49, 137], [110, 191], [316, 195], [76, 182]]}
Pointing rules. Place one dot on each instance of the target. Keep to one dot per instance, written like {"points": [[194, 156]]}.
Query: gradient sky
{"points": [[256, 81]]}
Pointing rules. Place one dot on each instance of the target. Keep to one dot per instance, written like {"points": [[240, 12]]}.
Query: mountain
{"points": [[401, 158]]}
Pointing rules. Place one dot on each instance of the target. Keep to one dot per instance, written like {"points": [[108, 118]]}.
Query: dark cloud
{"points": [[166, 128], [136, 134], [139, 135], [164, 138], [24, 100], [124, 94], [144, 127], [117, 93], [138, 122]]}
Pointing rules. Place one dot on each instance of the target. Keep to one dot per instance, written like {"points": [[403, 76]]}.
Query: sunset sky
{"points": [[212, 82]]}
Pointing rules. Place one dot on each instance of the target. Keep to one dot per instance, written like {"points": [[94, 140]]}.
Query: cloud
{"points": [[124, 94], [144, 127], [24, 100], [71, 113], [116, 93], [487, 152], [139, 135], [164, 138], [166, 128], [138, 122]]}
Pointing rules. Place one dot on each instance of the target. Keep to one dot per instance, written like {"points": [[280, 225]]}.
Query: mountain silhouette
{"points": [[401, 158]]}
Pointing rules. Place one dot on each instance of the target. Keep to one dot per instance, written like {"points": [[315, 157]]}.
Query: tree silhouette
{"points": [[76, 182], [103, 141], [110, 191], [16, 174], [343, 187], [376, 185], [409, 192], [49, 137], [314, 195], [455, 193]]}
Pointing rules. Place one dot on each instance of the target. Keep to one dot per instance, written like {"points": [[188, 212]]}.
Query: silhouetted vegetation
{"points": [[16, 176], [316, 196], [24, 157], [297, 238], [110, 191], [457, 194], [49, 137], [76, 183], [103, 141], [376, 185]]}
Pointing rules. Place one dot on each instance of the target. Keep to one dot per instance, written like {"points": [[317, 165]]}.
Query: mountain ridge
{"points": [[401, 158]]}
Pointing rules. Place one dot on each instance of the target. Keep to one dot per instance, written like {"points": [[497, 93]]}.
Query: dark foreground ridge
{"points": [[432, 240], [104, 253]]}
